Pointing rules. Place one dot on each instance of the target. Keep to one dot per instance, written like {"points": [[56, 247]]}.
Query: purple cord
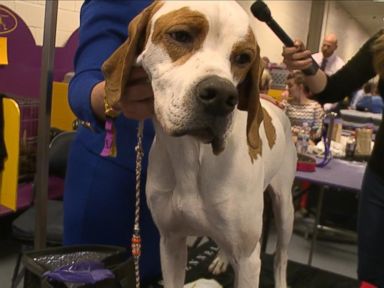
{"points": [[327, 151]]}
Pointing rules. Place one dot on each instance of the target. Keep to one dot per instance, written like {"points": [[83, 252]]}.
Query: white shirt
{"points": [[334, 62]]}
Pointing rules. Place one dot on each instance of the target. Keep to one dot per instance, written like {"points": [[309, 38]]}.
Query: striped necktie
{"points": [[323, 64]]}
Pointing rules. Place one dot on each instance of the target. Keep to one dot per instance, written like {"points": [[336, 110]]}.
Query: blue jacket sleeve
{"points": [[103, 27]]}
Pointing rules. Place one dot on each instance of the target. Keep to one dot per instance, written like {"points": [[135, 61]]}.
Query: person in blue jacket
{"points": [[99, 197], [371, 103]]}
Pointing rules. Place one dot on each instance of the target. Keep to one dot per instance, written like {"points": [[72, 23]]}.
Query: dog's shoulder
{"points": [[276, 113]]}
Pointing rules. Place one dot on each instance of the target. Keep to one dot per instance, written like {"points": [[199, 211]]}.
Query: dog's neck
{"points": [[183, 151], [180, 147], [187, 151]]}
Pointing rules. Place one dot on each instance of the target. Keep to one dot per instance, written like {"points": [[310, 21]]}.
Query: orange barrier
{"points": [[62, 116], [276, 93], [10, 173]]}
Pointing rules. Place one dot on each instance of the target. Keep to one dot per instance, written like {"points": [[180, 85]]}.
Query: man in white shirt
{"points": [[327, 58], [328, 61]]}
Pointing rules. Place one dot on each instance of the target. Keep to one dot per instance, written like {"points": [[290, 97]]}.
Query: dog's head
{"points": [[202, 59]]}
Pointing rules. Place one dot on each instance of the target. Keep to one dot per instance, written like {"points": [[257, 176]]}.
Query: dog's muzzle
{"points": [[217, 95]]}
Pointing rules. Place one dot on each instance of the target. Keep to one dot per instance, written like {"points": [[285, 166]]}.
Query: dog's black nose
{"points": [[218, 96]]}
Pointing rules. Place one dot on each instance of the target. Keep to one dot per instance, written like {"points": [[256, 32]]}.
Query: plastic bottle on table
{"points": [[303, 139], [350, 146]]}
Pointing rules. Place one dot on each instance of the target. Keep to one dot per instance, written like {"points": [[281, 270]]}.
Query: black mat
{"points": [[303, 276], [299, 275]]}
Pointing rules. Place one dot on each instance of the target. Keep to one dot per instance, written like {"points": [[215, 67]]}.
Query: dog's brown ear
{"points": [[118, 66], [249, 100]]}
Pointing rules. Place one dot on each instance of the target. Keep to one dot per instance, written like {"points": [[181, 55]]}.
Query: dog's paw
{"points": [[219, 264]]}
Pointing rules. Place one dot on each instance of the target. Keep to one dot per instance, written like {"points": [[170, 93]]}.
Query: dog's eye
{"points": [[181, 36], [242, 58]]}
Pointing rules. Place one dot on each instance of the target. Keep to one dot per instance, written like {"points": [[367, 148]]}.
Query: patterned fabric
{"points": [[311, 113]]}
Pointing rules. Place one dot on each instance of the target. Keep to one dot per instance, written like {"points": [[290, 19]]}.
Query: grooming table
{"points": [[339, 174], [357, 119]]}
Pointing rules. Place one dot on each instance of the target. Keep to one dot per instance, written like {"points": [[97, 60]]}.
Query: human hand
{"points": [[137, 102], [297, 57]]}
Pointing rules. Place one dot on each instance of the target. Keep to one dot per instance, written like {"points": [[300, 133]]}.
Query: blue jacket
{"points": [[104, 27], [372, 104]]}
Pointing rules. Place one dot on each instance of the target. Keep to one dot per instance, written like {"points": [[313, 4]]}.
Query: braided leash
{"points": [[136, 239]]}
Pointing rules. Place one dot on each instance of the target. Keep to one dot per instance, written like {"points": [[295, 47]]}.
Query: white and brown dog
{"points": [[203, 61]]}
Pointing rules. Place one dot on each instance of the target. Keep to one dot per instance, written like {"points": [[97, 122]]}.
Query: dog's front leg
{"points": [[247, 270], [173, 251]]}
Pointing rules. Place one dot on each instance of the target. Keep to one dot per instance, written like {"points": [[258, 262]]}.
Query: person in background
{"points": [[267, 62], [99, 197], [300, 109], [369, 89], [327, 58], [365, 64], [265, 86], [370, 100], [371, 103], [356, 96], [329, 62], [265, 81]]}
